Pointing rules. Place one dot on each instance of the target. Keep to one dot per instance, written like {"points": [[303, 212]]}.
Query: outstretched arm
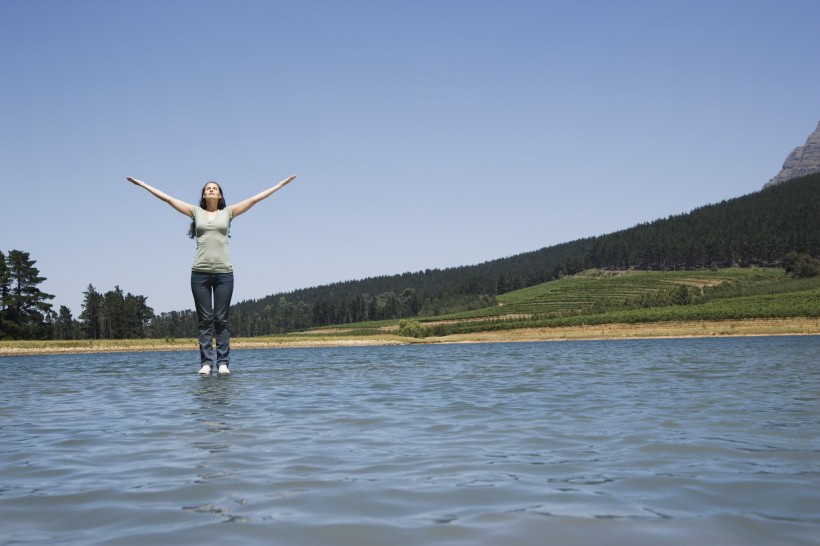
{"points": [[185, 208], [243, 206]]}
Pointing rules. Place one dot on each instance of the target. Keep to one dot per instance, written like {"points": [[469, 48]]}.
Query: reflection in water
{"points": [[215, 410], [214, 397]]}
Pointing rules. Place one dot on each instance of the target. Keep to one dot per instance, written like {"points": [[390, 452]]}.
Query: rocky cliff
{"points": [[802, 161]]}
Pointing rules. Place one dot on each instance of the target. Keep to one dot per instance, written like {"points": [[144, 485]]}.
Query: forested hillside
{"points": [[756, 229]]}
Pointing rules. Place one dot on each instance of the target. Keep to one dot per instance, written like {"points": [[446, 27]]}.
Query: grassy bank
{"points": [[343, 338]]}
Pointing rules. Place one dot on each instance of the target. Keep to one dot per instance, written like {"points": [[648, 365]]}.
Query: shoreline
{"points": [[657, 330]]}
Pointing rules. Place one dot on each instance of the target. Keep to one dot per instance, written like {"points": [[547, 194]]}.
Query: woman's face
{"points": [[211, 191]]}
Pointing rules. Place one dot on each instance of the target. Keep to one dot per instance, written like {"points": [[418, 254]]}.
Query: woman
{"points": [[212, 272]]}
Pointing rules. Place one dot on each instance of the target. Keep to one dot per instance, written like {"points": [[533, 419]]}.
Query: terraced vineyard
{"points": [[629, 297], [602, 291], [599, 291]]}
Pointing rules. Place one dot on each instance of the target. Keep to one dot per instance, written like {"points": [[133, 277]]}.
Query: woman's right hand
{"points": [[181, 206]]}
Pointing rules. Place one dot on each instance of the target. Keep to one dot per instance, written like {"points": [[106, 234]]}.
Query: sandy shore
{"points": [[12, 348], [756, 327]]}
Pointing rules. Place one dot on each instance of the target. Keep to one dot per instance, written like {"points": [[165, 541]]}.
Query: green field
{"points": [[598, 297], [603, 297]]}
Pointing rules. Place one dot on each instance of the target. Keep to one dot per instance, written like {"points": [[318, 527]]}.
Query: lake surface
{"points": [[710, 441]]}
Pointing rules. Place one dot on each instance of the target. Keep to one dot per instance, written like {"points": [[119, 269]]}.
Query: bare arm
{"points": [[185, 208], [244, 206]]}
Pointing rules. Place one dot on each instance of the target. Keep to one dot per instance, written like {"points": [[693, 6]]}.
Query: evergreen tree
{"points": [[137, 316], [65, 327], [5, 288], [113, 316], [91, 317], [26, 306]]}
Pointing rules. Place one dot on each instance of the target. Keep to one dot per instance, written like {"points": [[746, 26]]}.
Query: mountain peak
{"points": [[803, 160]]}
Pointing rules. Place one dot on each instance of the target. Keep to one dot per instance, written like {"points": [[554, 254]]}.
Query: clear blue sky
{"points": [[425, 134]]}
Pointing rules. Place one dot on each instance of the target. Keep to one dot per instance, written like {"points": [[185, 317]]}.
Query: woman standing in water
{"points": [[212, 272]]}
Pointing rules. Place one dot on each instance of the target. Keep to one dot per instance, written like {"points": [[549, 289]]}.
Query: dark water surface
{"points": [[709, 441]]}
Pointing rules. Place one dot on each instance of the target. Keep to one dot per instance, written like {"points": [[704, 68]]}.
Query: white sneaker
{"points": [[223, 369], [205, 370]]}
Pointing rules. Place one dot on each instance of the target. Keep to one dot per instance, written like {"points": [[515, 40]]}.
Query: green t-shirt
{"points": [[212, 241]]}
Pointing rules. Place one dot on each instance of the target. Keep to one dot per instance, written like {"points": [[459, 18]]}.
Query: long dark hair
{"points": [[203, 205]]}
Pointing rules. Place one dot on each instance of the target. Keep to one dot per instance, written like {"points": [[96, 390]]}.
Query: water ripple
{"points": [[633, 442]]}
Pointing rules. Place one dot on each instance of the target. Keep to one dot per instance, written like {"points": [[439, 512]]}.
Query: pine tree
{"points": [[5, 287], [91, 316], [137, 316], [26, 305], [64, 325]]}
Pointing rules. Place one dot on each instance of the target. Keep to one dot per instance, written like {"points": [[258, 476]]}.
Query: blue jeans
{"points": [[212, 298]]}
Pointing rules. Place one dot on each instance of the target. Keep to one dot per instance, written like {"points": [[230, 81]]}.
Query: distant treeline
{"points": [[756, 229], [25, 311], [760, 229]]}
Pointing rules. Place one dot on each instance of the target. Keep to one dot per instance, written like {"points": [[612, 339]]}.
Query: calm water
{"points": [[713, 441]]}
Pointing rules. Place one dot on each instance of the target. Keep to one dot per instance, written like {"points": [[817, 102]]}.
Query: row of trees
{"points": [[115, 315], [25, 311], [112, 315], [285, 316], [756, 229]]}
